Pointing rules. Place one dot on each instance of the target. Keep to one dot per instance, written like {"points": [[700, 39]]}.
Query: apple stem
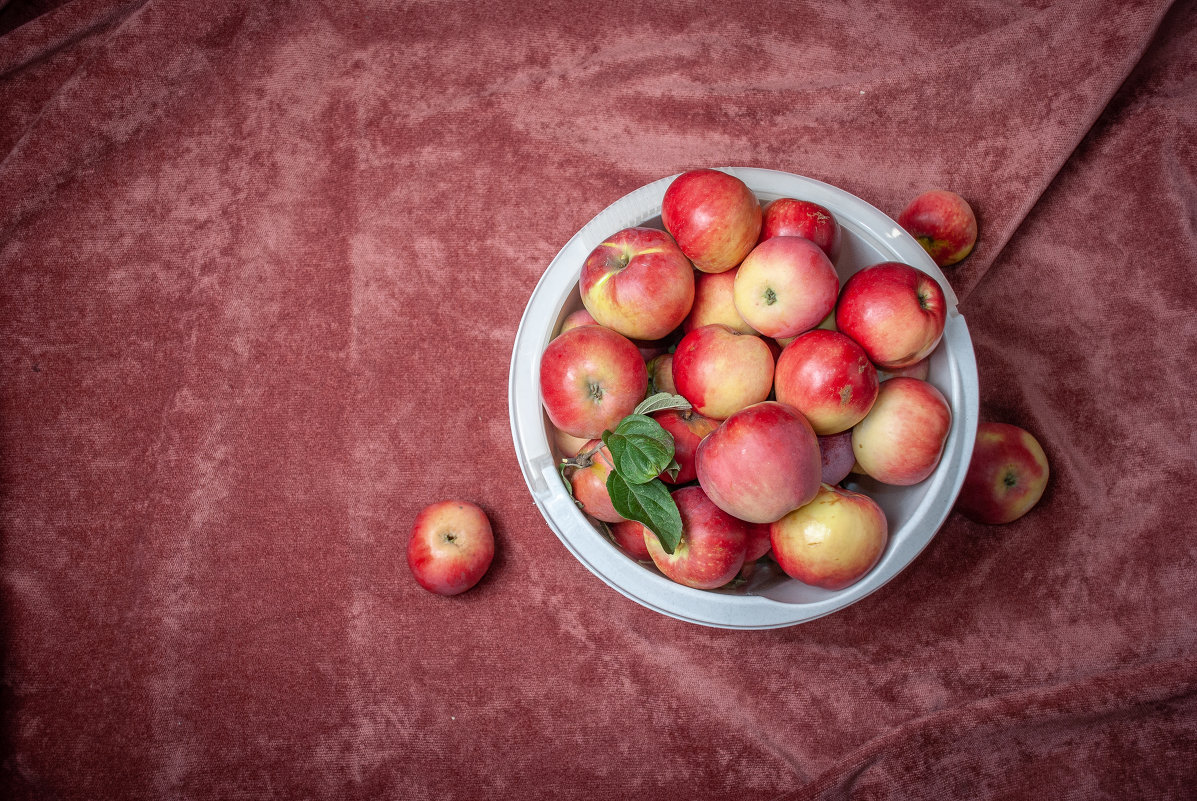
{"points": [[584, 459]]}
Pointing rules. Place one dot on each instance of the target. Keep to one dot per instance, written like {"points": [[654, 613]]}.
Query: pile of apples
{"points": [[792, 382]]}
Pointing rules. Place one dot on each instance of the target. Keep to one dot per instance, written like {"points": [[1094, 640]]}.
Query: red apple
{"points": [[451, 547], [827, 377], [638, 283], [761, 463], [590, 379], [575, 319], [688, 428], [720, 371], [714, 217], [943, 223], [660, 370], [920, 370], [894, 311], [589, 482], [711, 551], [902, 437], [1006, 477], [835, 452], [758, 542], [567, 443], [714, 302], [785, 286], [790, 217], [629, 535], [832, 541]]}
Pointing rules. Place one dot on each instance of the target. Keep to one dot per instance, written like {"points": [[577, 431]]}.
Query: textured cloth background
{"points": [[261, 267]]}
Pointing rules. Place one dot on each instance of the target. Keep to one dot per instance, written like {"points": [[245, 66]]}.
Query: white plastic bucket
{"points": [[770, 599]]}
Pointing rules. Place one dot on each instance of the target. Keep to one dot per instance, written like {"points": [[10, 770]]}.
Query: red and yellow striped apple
{"points": [[894, 311], [903, 435], [714, 217], [785, 286], [590, 379], [827, 377], [720, 370], [1006, 476], [789, 216], [711, 551], [833, 541]]}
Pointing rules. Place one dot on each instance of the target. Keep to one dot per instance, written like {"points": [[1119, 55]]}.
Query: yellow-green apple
{"points": [[788, 216], [894, 311], [1006, 477], [451, 547], [720, 370], [629, 536], [660, 370], [688, 428], [567, 443], [835, 451], [638, 283], [714, 303], [902, 437], [920, 370], [827, 377], [832, 541], [785, 286], [711, 550], [713, 216], [943, 223], [589, 481], [575, 319], [760, 463], [590, 379]]}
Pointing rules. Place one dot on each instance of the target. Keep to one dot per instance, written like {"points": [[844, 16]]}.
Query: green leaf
{"points": [[660, 402], [649, 503], [673, 469], [640, 448]]}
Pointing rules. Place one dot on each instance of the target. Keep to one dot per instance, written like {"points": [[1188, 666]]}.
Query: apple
{"points": [[688, 428], [835, 452], [788, 216], [590, 379], [713, 216], [903, 435], [714, 302], [660, 370], [720, 370], [1006, 476], [638, 283], [832, 541], [589, 482], [451, 547], [827, 377], [760, 463], [943, 223], [629, 535], [757, 543], [567, 443], [894, 311], [575, 319], [711, 550], [785, 286], [920, 370]]}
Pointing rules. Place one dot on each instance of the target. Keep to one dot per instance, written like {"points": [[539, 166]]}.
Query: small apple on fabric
{"points": [[785, 286], [761, 462], [589, 482], [920, 370], [791, 217], [714, 217], [590, 379], [660, 370], [902, 437], [720, 370], [714, 302], [712, 547], [835, 452], [1006, 476], [575, 319], [638, 283], [629, 535], [894, 311], [943, 223], [688, 428], [827, 377], [833, 541], [451, 547]]}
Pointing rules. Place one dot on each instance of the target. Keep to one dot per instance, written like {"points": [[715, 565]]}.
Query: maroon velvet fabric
{"points": [[262, 266]]}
